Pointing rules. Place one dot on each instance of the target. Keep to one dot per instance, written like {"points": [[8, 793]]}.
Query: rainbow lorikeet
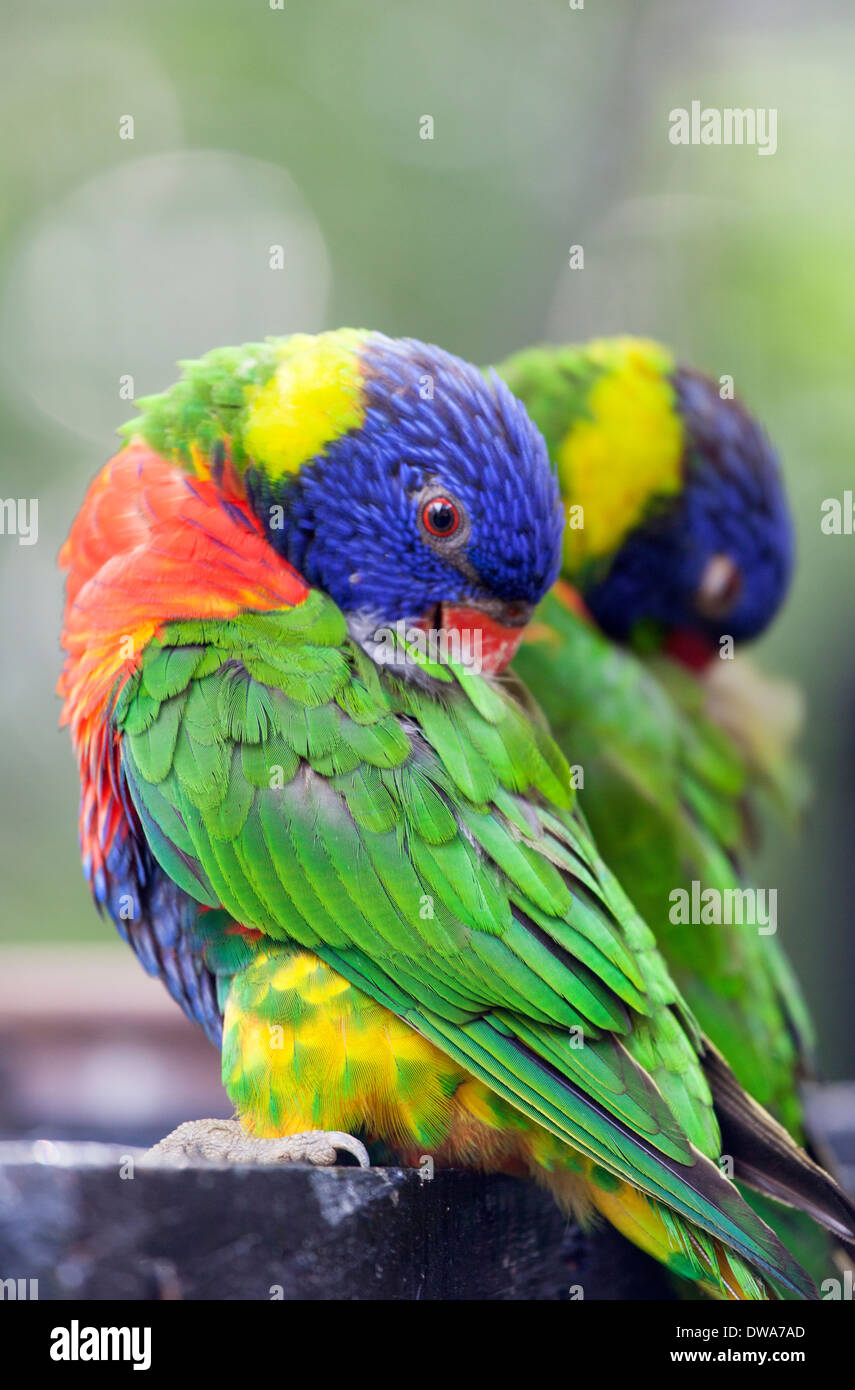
{"points": [[685, 539], [356, 859]]}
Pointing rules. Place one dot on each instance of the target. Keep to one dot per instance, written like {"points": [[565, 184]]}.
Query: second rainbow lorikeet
{"points": [[367, 877], [678, 536], [684, 537]]}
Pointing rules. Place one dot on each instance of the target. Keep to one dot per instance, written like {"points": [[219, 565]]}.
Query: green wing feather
{"points": [[666, 790], [664, 793], [378, 794]]}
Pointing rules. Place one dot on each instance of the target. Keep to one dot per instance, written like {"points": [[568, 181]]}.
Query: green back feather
{"points": [[380, 797]]}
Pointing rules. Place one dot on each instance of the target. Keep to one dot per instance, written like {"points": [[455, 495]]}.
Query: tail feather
{"points": [[768, 1160], [683, 1248]]}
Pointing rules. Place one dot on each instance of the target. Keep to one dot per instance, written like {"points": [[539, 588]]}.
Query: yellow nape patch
{"points": [[625, 454], [314, 397]]}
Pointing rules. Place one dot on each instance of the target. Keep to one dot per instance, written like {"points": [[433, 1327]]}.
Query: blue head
{"points": [[687, 534], [716, 559], [432, 492]]}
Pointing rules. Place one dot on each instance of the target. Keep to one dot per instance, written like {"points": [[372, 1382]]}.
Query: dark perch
{"points": [[103, 1053], [69, 1220]]}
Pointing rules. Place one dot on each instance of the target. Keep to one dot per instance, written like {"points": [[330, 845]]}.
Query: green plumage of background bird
{"points": [[356, 861], [681, 539]]}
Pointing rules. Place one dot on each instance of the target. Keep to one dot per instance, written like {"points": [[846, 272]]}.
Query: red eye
{"points": [[440, 517]]}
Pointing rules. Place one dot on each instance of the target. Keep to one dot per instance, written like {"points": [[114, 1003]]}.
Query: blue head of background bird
{"points": [[678, 530]]}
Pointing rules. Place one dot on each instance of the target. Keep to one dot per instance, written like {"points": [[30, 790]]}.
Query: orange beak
{"points": [[491, 641]]}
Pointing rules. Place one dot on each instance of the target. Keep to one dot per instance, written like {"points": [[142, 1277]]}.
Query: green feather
{"points": [[490, 925]]}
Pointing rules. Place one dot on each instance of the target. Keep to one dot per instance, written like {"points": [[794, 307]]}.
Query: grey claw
{"points": [[350, 1144], [224, 1141]]}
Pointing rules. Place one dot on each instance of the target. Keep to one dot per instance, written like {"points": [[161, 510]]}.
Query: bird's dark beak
{"points": [[717, 592], [691, 649], [490, 630]]}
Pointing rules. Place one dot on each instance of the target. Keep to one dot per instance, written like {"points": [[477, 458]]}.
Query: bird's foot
{"points": [[225, 1141]]}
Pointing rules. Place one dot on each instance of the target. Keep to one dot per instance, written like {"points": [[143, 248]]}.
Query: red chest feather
{"points": [[150, 545]]}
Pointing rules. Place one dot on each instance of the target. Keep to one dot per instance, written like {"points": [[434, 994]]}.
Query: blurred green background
{"points": [[299, 127]]}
